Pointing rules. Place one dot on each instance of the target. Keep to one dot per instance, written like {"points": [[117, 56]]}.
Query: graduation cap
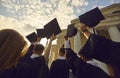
{"points": [[92, 17], [71, 30], [32, 37], [52, 27], [41, 33]]}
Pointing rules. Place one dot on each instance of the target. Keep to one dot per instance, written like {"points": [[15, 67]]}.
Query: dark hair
{"points": [[62, 50], [86, 54], [75, 31], [38, 47]]}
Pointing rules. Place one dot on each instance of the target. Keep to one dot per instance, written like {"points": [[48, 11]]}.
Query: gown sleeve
{"points": [[102, 49]]}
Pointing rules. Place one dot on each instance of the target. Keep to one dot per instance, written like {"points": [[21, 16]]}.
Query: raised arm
{"points": [[48, 47], [85, 31], [67, 42]]}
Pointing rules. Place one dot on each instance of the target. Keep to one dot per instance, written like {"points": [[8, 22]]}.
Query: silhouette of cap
{"points": [[32, 37], [92, 17], [41, 33], [52, 27], [71, 30]]}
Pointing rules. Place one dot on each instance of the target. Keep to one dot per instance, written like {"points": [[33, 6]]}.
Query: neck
{"points": [[61, 57]]}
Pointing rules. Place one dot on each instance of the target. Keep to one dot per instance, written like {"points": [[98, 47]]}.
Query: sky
{"points": [[26, 16]]}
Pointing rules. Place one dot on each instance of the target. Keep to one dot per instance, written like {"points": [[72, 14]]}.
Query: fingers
{"points": [[38, 38], [83, 28], [53, 37]]}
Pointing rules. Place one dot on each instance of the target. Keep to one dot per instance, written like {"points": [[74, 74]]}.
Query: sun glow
{"points": [[44, 42]]}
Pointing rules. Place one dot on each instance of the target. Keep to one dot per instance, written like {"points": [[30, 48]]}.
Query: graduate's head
{"points": [[84, 57], [62, 51], [38, 49], [12, 47], [84, 51]]}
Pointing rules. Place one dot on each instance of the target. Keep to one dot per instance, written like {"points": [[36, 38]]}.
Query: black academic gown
{"points": [[59, 69], [28, 54], [85, 70], [8, 73], [82, 69], [102, 49], [34, 68], [71, 58]]}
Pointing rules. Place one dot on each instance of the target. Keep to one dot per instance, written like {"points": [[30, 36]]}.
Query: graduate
{"points": [[102, 49], [34, 39], [12, 47], [83, 69], [59, 67], [99, 47], [36, 66], [80, 68]]}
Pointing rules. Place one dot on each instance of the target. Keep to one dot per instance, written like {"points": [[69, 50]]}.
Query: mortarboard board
{"points": [[52, 27], [71, 30], [92, 17], [41, 33], [32, 37]]}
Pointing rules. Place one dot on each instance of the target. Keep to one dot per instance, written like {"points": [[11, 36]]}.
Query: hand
{"points": [[66, 37], [83, 28], [38, 39], [85, 31], [53, 37]]}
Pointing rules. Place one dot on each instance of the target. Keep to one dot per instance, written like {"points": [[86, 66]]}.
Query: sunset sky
{"points": [[27, 15]]}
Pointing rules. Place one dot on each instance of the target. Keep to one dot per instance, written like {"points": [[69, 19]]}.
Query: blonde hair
{"points": [[12, 46]]}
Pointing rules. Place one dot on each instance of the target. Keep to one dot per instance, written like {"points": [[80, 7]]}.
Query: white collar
{"points": [[34, 55], [61, 57]]}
